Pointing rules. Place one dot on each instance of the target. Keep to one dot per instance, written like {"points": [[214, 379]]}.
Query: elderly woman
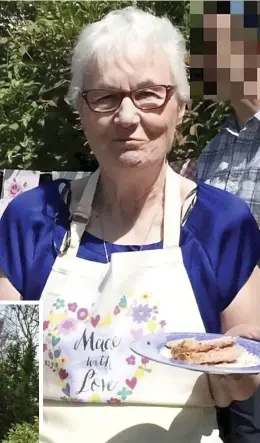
{"points": [[133, 249]]}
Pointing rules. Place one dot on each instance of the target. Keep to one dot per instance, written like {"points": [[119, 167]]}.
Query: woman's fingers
{"points": [[220, 394], [245, 330], [241, 387], [228, 388]]}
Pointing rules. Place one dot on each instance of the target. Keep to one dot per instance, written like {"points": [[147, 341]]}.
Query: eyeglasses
{"points": [[146, 99]]}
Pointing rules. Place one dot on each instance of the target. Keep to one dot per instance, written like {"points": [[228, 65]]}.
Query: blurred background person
{"points": [[229, 70]]}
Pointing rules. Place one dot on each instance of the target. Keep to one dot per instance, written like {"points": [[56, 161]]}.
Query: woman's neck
{"points": [[129, 193]]}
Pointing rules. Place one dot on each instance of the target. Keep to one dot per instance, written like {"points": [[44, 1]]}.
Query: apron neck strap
{"points": [[82, 213], [172, 210], [84, 207]]}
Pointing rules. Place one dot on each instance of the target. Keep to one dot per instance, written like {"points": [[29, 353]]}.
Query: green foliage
{"points": [[24, 433], [200, 125], [38, 129], [19, 385]]}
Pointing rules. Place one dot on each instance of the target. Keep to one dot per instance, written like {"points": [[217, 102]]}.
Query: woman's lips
{"points": [[129, 140], [129, 143]]}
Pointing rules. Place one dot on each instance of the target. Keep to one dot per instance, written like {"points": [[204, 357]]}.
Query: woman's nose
{"points": [[128, 113]]}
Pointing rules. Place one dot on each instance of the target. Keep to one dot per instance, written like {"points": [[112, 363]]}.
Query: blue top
{"points": [[220, 244]]}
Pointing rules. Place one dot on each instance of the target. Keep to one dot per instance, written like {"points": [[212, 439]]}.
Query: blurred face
{"points": [[128, 136], [231, 60]]}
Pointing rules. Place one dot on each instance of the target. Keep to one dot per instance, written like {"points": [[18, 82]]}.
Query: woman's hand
{"points": [[7, 290], [228, 388]]}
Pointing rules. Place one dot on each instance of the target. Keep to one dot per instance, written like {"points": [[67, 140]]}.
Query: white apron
{"points": [[95, 388]]}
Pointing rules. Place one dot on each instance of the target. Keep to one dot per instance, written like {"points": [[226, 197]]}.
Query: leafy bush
{"points": [[24, 433], [19, 386], [199, 126], [38, 129]]}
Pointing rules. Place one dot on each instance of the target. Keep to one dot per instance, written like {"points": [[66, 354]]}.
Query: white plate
{"points": [[153, 347]]}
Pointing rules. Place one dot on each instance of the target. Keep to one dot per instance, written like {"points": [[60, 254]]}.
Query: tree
{"points": [[21, 322], [19, 385], [19, 368]]}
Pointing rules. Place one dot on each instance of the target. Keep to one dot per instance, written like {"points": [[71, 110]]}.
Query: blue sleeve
{"points": [[25, 228], [16, 243], [233, 243]]}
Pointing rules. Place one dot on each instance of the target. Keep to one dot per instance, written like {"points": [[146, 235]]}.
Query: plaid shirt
{"points": [[231, 161]]}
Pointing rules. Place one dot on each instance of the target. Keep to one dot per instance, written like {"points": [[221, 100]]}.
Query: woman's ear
{"points": [[79, 103], [181, 110]]}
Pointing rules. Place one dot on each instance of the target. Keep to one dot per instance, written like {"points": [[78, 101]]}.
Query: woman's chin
{"points": [[132, 158]]}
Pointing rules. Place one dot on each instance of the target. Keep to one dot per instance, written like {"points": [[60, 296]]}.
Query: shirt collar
{"points": [[232, 126], [257, 115]]}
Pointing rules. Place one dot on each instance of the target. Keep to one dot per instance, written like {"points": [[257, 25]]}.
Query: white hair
{"points": [[135, 29]]}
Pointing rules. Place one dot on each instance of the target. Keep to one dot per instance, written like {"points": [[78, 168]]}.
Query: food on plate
{"points": [[191, 344], [205, 352]]}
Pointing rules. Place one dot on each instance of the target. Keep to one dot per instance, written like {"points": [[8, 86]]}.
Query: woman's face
{"points": [[152, 131]]}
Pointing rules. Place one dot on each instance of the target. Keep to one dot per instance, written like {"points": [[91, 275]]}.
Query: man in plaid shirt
{"points": [[231, 161]]}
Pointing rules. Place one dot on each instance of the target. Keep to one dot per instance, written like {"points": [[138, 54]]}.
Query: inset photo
{"points": [[19, 369]]}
